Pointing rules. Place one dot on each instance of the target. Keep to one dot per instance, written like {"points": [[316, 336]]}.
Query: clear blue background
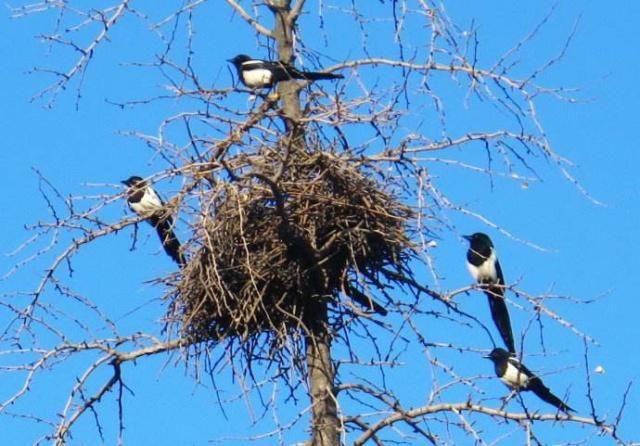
{"points": [[591, 249]]}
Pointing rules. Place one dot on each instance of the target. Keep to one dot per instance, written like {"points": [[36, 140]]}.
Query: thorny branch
{"points": [[107, 18], [460, 408], [250, 20]]}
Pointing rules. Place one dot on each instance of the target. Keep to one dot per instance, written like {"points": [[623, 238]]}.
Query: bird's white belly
{"points": [[149, 203], [486, 272], [143, 208], [257, 77], [513, 377]]}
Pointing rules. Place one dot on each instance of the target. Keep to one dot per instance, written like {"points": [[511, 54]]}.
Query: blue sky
{"points": [[589, 249]]}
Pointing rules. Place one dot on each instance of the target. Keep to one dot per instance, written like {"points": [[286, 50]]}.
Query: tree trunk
{"points": [[325, 424], [321, 374], [289, 92]]}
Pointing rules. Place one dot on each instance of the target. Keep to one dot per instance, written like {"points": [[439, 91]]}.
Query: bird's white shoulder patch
{"points": [[252, 64]]}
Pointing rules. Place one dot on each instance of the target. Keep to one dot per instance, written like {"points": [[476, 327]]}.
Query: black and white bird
{"points": [[144, 201], [256, 73], [483, 264], [519, 378], [364, 300]]}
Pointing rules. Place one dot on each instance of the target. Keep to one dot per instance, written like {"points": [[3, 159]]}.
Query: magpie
{"points": [[483, 264], [364, 300], [519, 378], [256, 73], [145, 202]]}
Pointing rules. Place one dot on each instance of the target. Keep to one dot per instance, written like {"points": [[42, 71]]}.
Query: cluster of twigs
{"points": [[283, 237]]}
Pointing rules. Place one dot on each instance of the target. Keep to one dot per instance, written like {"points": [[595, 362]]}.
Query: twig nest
{"points": [[279, 240]]}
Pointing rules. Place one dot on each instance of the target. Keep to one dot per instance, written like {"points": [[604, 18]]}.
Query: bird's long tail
{"points": [[314, 75], [537, 386], [169, 241], [294, 73], [365, 300], [500, 316]]}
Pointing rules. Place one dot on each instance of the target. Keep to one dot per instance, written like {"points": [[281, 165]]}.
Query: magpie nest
{"points": [[277, 242]]}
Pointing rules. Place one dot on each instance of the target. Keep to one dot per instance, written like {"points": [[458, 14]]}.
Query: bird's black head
{"points": [[132, 181], [478, 241], [498, 355], [239, 59]]}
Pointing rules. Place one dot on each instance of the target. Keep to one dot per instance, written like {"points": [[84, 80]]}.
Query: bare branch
{"points": [[249, 19], [459, 408]]}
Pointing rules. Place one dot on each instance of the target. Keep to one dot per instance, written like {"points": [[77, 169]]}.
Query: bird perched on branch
{"points": [[483, 264], [364, 300], [256, 73], [519, 378], [144, 201]]}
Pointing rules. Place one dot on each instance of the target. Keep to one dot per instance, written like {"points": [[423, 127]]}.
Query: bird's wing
{"points": [[521, 367], [275, 66], [499, 274], [284, 72], [500, 316], [255, 64], [537, 386]]}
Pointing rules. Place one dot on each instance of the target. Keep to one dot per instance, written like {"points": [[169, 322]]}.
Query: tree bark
{"points": [[321, 373], [289, 92]]}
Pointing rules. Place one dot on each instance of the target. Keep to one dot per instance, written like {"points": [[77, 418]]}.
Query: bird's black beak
{"points": [[125, 182], [487, 356], [467, 237]]}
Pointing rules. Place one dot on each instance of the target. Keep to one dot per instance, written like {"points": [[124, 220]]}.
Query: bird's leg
{"points": [[134, 237]]}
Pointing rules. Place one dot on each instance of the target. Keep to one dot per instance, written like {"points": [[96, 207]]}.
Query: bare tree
{"points": [[300, 213]]}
